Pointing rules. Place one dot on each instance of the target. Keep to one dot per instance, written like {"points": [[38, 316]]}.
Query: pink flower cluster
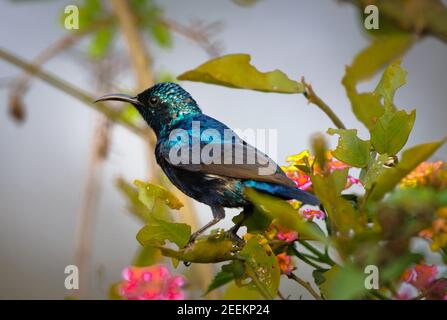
{"points": [[302, 179], [151, 283], [422, 279]]}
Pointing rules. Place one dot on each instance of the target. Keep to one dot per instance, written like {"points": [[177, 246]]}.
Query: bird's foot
{"points": [[232, 235]]}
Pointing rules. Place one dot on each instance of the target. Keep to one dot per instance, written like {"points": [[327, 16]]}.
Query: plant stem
{"points": [[316, 100], [323, 257], [71, 90], [305, 285], [305, 259]]}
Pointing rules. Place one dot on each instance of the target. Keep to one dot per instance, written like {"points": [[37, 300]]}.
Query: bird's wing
{"points": [[230, 155]]}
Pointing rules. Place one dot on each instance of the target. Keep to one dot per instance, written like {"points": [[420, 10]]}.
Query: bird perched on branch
{"points": [[204, 158]]}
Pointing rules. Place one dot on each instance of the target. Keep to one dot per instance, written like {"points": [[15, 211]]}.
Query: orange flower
{"points": [[422, 175], [285, 263]]}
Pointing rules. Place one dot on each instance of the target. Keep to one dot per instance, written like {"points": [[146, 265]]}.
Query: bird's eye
{"points": [[153, 100]]}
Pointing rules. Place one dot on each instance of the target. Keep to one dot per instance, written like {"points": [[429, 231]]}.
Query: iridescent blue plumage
{"points": [[180, 125]]}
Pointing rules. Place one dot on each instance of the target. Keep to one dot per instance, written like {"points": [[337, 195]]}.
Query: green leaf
{"points": [[135, 206], [159, 230], [235, 71], [246, 3], [411, 158], [229, 272], [210, 249], [161, 34], [100, 43], [382, 51], [148, 193], [235, 292], [392, 79], [340, 211], [351, 149], [373, 171], [256, 221], [130, 114], [286, 215], [146, 256], [391, 132], [343, 283], [262, 267], [367, 108]]}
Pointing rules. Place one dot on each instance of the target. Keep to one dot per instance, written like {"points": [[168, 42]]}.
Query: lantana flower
{"points": [[285, 263], [422, 175], [302, 179], [151, 283], [286, 235], [420, 276], [437, 233], [310, 214]]}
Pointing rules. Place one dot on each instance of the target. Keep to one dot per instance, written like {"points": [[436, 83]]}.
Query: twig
{"points": [[316, 100], [305, 259], [21, 83], [323, 257], [197, 34], [86, 217], [71, 90], [305, 285]]}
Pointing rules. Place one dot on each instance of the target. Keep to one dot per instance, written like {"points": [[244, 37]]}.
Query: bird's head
{"points": [[161, 105]]}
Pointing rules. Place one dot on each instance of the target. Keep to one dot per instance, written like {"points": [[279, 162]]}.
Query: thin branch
{"points": [[71, 90], [305, 285], [323, 257], [21, 83], [86, 216], [312, 97], [198, 33]]}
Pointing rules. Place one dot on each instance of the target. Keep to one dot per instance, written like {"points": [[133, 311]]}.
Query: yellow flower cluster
{"points": [[423, 175], [437, 233]]}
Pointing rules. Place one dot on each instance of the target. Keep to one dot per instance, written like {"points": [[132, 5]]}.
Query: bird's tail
{"points": [[284, 192]]}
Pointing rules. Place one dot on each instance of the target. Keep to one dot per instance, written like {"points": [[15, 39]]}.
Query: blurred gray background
{"points": [[44, 160]]}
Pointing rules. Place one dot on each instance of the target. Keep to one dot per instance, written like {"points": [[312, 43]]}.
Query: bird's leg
{"points": [[218, 214], [232, 232]]}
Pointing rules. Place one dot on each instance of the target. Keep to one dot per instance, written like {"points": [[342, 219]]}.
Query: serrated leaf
{"points": [[392, 79], [285, 214], [235, 71], [366, 107], [350, 149], [157, 231], [411, 158], [148, 193], [392, 130], [373, 170], [262, 267]]}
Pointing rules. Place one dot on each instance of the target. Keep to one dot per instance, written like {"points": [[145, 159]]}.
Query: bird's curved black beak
{"points": [[120, 97]]}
